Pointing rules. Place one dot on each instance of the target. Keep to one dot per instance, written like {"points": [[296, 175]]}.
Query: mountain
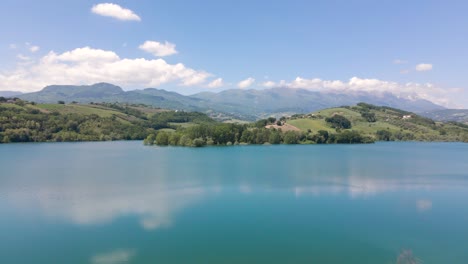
{"points": [[68, 93], [105, 92], [444, 115], [234, 103], [287, 100], [9, 93]]}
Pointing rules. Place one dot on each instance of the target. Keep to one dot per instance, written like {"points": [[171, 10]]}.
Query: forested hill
{"points": [[380, 122], [362, 123], [23, 121]]}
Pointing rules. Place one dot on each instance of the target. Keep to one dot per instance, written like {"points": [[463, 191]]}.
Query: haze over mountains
{"points": [[237, 103], [9, 93]]}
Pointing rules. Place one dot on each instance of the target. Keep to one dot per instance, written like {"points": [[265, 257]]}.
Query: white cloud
{"points": [[269, 84], [115, 11], [87, 65], [398, 61], [405, 71], [424, 67], [159, 49], [34, 49], [23, 57], [246, 83], [216, 83], [412, 91], [116, 256]]}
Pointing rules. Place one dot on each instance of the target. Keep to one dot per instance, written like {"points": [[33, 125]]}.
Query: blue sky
{"points": [[322, 45]]}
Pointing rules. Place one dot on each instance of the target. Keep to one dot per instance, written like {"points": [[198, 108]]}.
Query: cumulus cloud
{"points": [[159, 49], [410, 90], [269, 84], [88, 65], [115, 11], [216, 83], [424, 67], [33, 49], [246, 83]]}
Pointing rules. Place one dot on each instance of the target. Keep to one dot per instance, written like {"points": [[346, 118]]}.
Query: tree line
{"points": [[225, 134]]}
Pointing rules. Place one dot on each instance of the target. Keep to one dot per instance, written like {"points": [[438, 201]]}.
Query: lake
{"points": [[122, 202]]}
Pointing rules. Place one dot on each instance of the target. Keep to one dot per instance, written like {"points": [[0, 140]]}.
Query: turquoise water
{"points": [[122, 202]]}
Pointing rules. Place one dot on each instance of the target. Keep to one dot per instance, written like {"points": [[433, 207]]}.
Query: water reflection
{"points": [[114, 257], [86, 204], [156, 200], [424, 205], [355, 200]]}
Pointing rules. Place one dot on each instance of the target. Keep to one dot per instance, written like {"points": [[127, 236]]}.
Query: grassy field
{"points": [[79, 109], [187, 124], [101, 111], [313, 124]]}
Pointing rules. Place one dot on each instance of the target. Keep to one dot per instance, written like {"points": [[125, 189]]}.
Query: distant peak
{"points": [[104, 84], [108, 87]]}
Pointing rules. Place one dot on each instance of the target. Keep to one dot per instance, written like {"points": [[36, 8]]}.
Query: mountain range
{"points": [[235, 103], [9, 93], [444, 115]]}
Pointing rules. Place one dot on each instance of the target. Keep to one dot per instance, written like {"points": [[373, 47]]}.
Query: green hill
{"points": [[383, 123], [22, 121]]}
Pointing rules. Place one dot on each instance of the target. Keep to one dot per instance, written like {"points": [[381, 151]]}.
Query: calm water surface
{"points": [[122, 202]]}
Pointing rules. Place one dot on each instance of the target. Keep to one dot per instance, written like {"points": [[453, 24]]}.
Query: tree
{"points": [[338, 121], [275, 137], [321, 137], [199, 142], [384, 135], [149, 140], [349, 137], [369, 117], [290, 137], [60, 102], [162, 138], [261, 123], [174, 139], [247, 137]]}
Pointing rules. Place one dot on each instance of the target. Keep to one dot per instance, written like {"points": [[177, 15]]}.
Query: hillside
{"points": [[22, 121], [445, 115], [382, 123], [229, 104]]}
